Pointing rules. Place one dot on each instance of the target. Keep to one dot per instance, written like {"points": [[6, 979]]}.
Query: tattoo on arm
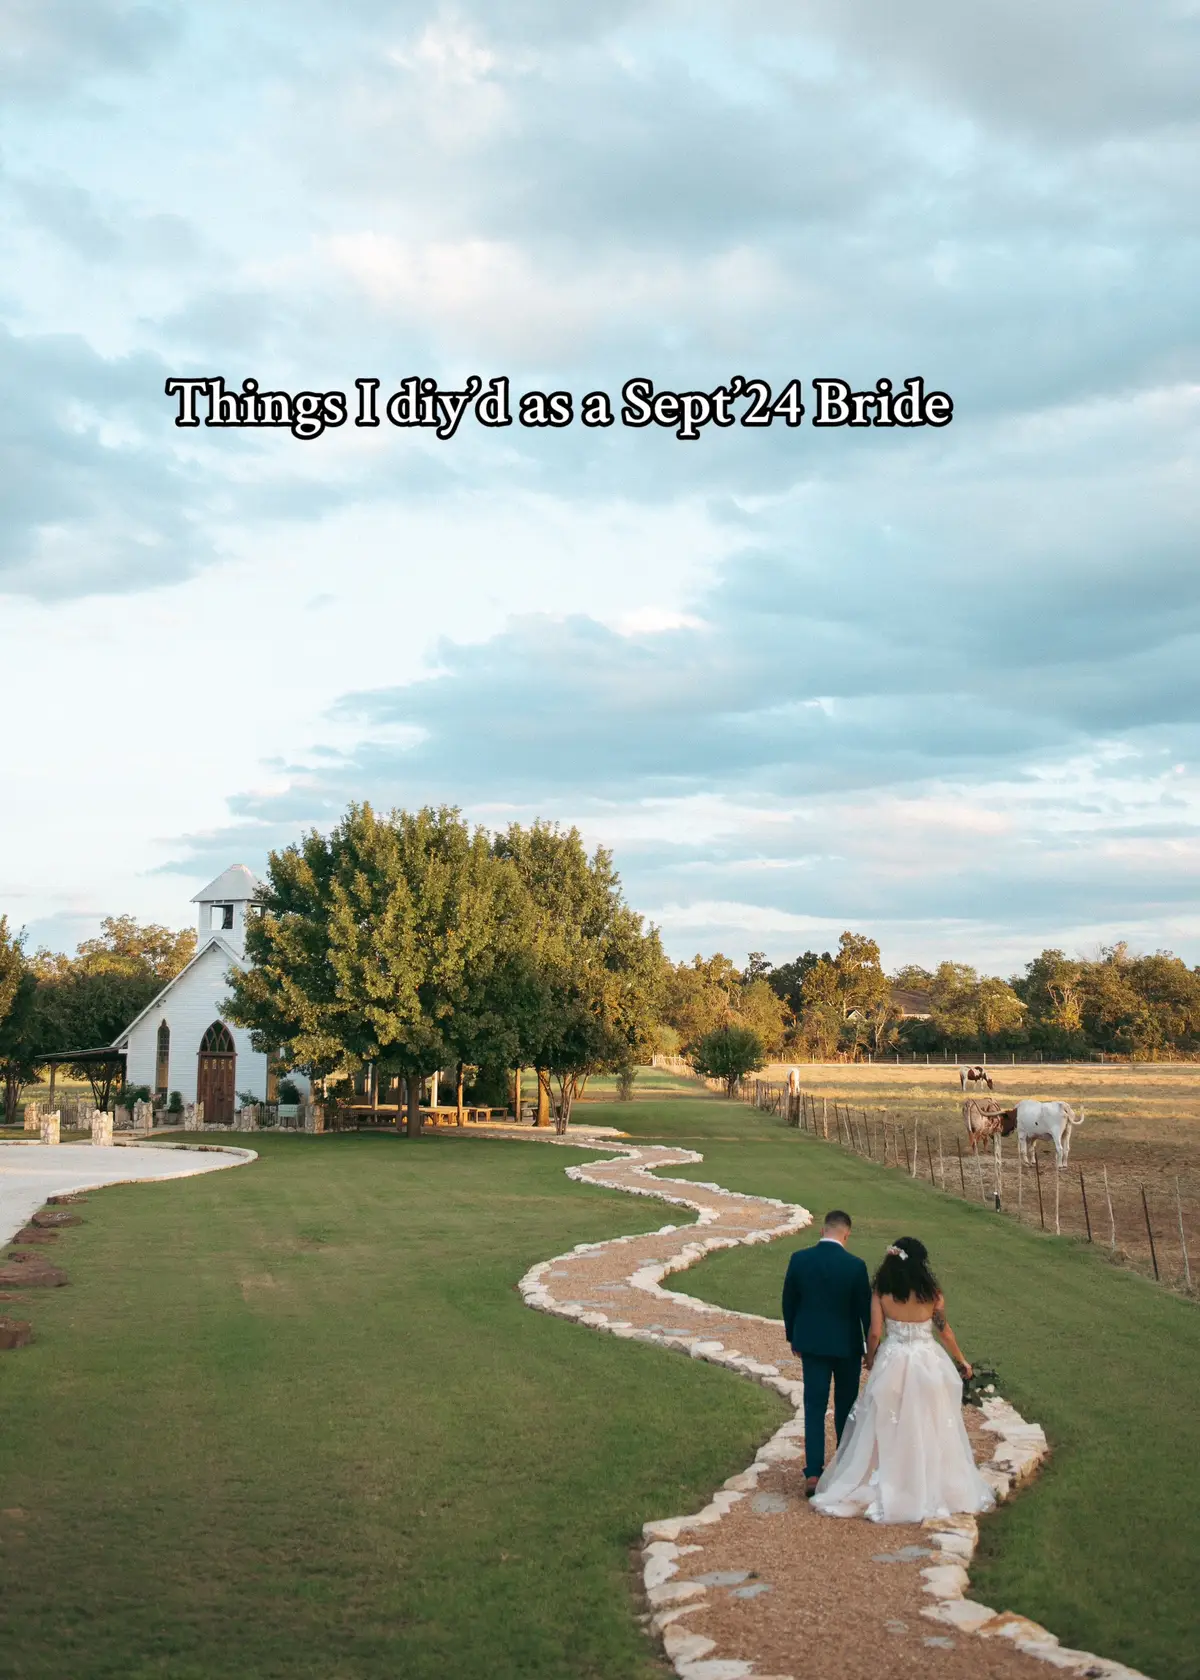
{"points": [[939, 1319]]}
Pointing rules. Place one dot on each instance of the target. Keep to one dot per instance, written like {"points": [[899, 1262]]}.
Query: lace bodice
{"points": [[898, 1330]]}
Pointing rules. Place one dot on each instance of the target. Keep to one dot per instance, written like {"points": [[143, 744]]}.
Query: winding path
{"points": [[757, 1583]]}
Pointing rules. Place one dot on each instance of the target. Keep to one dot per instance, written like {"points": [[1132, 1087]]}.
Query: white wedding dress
{"points": [[904, 1454]]}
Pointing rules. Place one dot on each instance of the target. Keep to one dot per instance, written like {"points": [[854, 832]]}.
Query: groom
{"points": [[826, 1316]]}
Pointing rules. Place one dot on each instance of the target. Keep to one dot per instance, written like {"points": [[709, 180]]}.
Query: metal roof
{"points": [[236, 885]]}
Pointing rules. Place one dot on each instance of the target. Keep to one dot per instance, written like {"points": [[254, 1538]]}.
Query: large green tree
{"points": [[19, 1043], [846, 999], [710, 993], [18, 989], [12, 966], [729, 1054], [375, 945], [590, 982]]}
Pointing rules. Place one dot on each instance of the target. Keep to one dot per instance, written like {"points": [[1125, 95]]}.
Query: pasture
{"points": [[1142, 1125]]}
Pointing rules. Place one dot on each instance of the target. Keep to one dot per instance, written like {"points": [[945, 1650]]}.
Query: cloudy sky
{"points": [[937, 684]]}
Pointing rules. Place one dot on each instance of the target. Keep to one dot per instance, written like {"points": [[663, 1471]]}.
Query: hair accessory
{"points": [[898, 1252]]}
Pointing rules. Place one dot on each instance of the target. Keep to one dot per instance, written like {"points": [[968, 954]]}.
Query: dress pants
{"points": [[819, 1371]]}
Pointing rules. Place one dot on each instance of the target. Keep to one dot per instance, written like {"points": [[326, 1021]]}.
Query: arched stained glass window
{"points": [[217, 1041]]}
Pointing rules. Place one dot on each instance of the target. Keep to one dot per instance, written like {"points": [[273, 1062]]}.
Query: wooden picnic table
{"points": [[359, 1115]]}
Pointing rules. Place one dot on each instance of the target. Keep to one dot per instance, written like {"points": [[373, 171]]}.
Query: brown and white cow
{"points": [[975, 1076], [987, 1122]]}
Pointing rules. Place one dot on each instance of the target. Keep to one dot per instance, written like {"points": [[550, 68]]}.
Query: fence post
{"points": [[1087, 1218], [929, 1153], [916, 1125], [1057, 1190], [1149, 1231], [1038, 1175], [941, 1161], [825, 1118], [1187, 1268], [1112, 1224], [999, 1171]]}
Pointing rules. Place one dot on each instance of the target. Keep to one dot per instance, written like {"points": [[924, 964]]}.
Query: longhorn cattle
{"points": [[987, 1121], [975, 1076], [1053, 1120]]}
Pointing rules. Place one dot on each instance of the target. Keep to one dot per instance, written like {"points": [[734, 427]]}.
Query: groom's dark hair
{"points": [[836, 1220]]}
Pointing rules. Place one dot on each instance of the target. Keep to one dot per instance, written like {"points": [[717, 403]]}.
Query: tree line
{"points": [[50, 1002], [413, 943], [842, 1004]]}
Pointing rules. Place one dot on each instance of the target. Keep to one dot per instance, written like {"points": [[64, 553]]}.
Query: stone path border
{"points": [[617, 1286]]}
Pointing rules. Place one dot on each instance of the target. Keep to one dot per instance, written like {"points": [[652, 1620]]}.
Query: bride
{"points": [[905, 1455]]}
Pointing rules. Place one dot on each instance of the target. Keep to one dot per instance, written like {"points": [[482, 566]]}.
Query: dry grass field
{"points": [[1142, 1127]]}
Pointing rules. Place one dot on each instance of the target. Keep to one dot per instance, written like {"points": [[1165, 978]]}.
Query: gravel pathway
{"points": [[757, 1583]]}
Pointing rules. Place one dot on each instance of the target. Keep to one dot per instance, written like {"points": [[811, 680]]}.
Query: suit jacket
{"points": [[827, 1302]]}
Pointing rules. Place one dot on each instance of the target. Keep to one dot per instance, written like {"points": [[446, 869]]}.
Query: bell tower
{"points": [[223, 904]]}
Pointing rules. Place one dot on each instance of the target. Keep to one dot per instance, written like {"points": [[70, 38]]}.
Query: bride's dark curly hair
{"points": [[904, 1272]]}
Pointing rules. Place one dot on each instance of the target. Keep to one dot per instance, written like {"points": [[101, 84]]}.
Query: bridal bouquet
{"points": [[981, 1385]]}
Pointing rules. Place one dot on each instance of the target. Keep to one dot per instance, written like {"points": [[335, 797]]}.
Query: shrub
{"points": [[289, 1091], [175, 1103], [729, 1054], [489, 1088]]}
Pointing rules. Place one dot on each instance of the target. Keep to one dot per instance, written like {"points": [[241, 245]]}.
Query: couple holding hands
{"points": [[903, 1452]]}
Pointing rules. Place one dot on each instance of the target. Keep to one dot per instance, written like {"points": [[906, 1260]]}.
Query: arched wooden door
{"points": [[216, 1075]]}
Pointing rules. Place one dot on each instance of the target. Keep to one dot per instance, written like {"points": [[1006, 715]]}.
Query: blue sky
{"points": [[941, 685]]}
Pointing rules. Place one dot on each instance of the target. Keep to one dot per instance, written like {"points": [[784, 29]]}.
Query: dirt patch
{"points": [[53, 1219], [30, 1271], [15, 1333], [258, 1283]]}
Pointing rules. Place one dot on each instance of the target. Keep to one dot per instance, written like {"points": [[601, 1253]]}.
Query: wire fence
{"points": [[1149, 1226]]}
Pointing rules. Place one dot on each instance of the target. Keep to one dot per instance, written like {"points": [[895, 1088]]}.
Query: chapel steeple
{"points": [[223, 906]]}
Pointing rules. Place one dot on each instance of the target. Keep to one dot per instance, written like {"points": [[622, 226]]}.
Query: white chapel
{"points": [[179, 1041]]}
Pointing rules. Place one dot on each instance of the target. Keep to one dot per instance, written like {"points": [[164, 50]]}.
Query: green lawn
{"points": [[1105, 1548], [293, 1419]]}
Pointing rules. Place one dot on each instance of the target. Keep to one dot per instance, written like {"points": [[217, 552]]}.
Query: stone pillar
{"points": [[193, 1116], [48, 1127], [143, 1117], [33, 1116], [246, 1118], [101, 1128], [313, 1117]]}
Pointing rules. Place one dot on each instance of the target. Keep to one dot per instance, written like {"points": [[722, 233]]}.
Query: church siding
{"points": [[189, 1005]]}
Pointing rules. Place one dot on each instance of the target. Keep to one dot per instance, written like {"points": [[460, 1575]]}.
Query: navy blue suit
{"points": [[826, 1316]]}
